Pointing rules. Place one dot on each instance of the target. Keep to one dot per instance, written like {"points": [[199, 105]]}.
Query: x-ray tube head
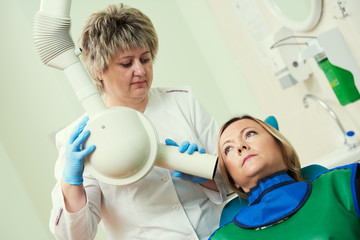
{"points": [[126, 146], [127, 149]]}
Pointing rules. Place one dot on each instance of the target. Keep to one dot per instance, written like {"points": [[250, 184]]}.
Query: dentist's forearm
{"points": [[74, 196]]}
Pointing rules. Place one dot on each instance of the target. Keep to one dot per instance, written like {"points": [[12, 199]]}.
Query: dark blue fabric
{"points": [[267, 184], [355, 187], [274, 198]]}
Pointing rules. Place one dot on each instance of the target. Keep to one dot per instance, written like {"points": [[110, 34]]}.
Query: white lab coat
{"points": [[159, 206]]}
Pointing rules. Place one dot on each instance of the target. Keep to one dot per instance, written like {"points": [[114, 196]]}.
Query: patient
{"points": [[260, 165]]}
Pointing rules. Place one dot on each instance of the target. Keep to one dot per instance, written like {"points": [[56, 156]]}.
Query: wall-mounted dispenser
{"points": [[283, 49], [334, 58]]}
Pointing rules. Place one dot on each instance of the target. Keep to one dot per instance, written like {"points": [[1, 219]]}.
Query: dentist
{"points": [[119, 46]]}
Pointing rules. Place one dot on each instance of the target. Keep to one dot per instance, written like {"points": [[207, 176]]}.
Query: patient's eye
{"points": [[227, 150], [250, 134]]}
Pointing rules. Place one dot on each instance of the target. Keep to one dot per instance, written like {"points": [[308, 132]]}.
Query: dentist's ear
{"points": [[271, 120], [99, 75]]}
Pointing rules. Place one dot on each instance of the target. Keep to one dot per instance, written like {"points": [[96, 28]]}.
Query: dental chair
{"points": [[234, 205]]}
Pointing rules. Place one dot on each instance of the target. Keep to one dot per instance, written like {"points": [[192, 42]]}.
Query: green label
{"points": [[334, 82]]}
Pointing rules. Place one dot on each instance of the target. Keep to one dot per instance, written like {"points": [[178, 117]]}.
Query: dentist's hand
{"points": [[189, 148], [75, 154]]}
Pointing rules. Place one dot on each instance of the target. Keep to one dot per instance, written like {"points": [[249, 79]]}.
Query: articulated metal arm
{"points": [[52, 34], [56, 49]]}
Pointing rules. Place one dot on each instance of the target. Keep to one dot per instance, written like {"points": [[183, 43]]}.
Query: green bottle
{"points": [[341, 80]]}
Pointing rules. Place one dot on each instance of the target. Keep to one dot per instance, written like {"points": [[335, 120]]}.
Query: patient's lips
{"points": [[248, 157]]}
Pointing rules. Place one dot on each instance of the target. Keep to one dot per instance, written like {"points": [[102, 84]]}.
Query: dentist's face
{"points": [[250, 153], [128, 77]]}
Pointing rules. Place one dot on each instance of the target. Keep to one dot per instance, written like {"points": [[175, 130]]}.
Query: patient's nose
{"points": [[241, 148]]}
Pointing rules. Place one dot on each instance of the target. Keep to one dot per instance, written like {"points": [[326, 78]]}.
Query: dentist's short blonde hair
{"points": [[290, 156], [107, 31]]}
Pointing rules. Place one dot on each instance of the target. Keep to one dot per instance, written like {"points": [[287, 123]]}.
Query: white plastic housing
{"points": [[284, 59], [334, 46], [84, 89], [197, 164], [127, 148]]}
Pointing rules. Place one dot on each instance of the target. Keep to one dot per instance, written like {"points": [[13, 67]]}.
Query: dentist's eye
{"points": [[145, 60], [126, 65]]}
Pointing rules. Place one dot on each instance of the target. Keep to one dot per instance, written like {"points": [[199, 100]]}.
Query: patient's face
{"points": [[250, 153]]}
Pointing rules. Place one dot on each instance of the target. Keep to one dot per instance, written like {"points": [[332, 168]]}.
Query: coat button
{"points": [[165, 178], [176, 207]]}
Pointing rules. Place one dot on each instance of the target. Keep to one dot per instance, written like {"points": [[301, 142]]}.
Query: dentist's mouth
{"points": [[139, 83], [248, 157]]}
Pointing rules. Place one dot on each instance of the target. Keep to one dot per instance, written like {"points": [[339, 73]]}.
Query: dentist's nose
{"points": [[139, 69]]}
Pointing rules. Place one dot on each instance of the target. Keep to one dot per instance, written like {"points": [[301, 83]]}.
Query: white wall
{"points": [[311, 130], [36, 101], [19, 220]]}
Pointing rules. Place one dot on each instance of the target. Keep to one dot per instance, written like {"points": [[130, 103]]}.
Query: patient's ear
{"points": [[271, 120]]}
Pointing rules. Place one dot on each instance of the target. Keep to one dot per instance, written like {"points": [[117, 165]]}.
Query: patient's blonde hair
{"points": [[116, 27], [290, 156]]}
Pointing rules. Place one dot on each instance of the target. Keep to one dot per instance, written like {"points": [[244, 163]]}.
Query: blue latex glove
{"points": [[75, 154], [189, 148], [271, 120]]}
